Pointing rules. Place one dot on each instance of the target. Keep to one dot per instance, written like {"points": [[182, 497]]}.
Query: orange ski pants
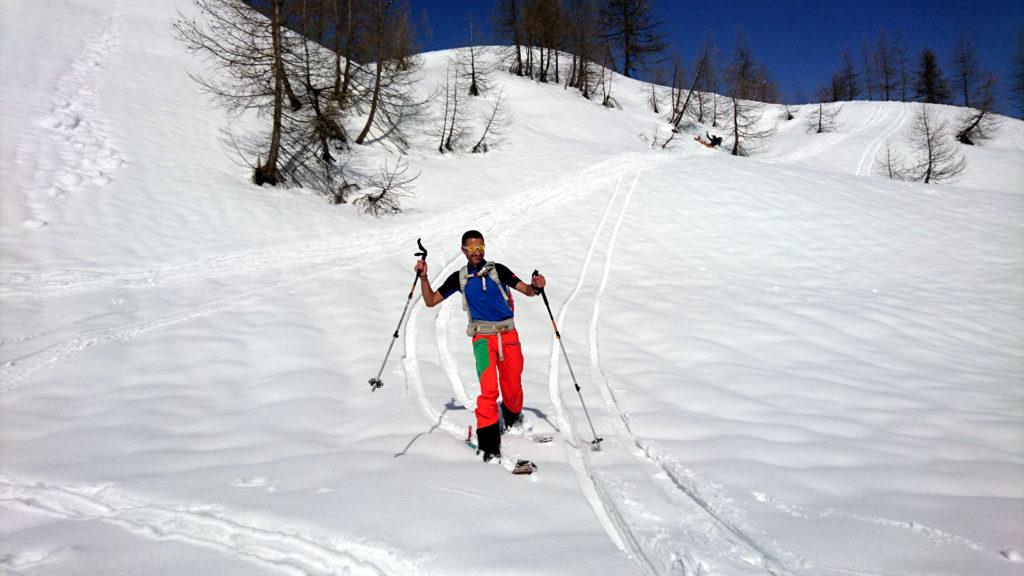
{"points": [[499, 365]]}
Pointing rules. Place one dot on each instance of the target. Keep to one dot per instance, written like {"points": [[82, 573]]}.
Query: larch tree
{"points": [[745, 114], [975, 125], [936, 159], [821, 117], [967, 72], [245, 50], [1017, 78], [391, 46], [931, 86], [886, 69], [634, 32]]}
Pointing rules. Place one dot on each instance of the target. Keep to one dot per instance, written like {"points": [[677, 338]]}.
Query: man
{"points": [[499, 356]]}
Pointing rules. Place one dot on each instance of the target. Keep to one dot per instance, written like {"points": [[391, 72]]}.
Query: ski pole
{"points": [[596, 442], [376, 382]]}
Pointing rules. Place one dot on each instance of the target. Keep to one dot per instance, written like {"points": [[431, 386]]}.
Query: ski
{"points": [[518, 466]]}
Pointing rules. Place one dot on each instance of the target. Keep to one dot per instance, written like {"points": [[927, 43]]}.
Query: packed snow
{"points": [[797, 367]]}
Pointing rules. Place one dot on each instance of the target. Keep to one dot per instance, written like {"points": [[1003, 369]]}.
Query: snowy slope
{"points": [[797, 367]]}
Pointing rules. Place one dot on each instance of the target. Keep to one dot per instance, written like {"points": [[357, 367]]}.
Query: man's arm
{"points": [[430, 297], [510, 279]]}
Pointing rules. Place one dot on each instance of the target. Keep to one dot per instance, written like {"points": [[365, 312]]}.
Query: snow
{"points": [[797, 367]]}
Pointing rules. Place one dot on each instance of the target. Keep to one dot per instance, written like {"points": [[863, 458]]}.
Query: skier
{"points": [[499, 356], [714, 140]]}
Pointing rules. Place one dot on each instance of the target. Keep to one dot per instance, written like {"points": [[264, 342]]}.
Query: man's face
{"points": [[474, 250]]}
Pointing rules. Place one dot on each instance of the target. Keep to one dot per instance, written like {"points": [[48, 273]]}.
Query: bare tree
{"points": [[631, 27], [653, 100], [931, 86], [821, 117], [392, 47], [889, 163], [245, 50], [606, 87], [709, 99], [455, 125], [847, 77], [680, 111], [966, 69], [472, 61], [495, 123], [452, 127], [584, 42], [508, 24], [901, 58], [977, 124], [867, 70], [742, 78], [885, 67], [387, 189], [936, 159], [315, 132], [345, 33]]}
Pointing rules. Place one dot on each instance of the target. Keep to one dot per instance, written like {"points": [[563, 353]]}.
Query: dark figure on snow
{"points": [[496, 349], [715, 141]]}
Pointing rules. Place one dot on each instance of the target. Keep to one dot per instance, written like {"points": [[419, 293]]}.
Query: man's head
{"points": [[473, 247]]}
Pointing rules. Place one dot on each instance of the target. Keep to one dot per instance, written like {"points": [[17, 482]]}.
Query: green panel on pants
{"points": [[482, 355]]}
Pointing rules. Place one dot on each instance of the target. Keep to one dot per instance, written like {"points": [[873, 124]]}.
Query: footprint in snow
{"points": [[270, 485]]}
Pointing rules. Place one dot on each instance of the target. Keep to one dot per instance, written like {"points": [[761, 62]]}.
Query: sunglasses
{"points": [[474, 249]]}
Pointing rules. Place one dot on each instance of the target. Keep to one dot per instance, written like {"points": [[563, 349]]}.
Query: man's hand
{"points": [[538, 282], [421, 268]]}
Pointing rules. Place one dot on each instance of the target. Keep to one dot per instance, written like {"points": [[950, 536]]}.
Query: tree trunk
{"points": [[735, 127], [267, 173], [343, 94]]}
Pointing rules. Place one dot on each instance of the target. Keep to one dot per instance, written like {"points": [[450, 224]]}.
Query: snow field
{"points": [[796, 367]]}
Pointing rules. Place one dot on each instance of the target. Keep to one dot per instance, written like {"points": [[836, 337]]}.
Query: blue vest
{"points": [[486, 305]]}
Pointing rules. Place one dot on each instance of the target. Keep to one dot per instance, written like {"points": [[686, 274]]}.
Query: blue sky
{"points": [[802, 42]]}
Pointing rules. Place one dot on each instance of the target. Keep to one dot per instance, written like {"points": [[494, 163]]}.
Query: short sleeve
{"points": [[450, 286], [507, 277]]}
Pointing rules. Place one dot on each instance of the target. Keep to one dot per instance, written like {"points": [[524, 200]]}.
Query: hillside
{"points": [[797, 367]]}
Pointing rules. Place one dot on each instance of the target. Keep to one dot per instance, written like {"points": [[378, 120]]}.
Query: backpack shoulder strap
{"points": [[463, 280], [492, 273]]}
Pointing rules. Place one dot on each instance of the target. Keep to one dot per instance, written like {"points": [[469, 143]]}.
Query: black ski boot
{"points": [[488, 440], [511, 418]]}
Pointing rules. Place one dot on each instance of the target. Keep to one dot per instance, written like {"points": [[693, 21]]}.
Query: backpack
{"points": [[491, 272]]}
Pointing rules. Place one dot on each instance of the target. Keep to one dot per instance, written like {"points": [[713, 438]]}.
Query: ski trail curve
{"points": [[536, 204], [276, 547], [688, 501], [866, 160], [291, 272], [600, 501]]}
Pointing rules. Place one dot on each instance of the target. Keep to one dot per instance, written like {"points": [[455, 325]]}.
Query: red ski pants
{"points": [[499, 365]]}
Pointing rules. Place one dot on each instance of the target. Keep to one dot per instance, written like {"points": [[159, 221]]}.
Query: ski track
{"points": [[606, 514], [80, 154], [613, 524], [609, 501], [866, 161], [277, 547], [545, 201], [935, 535], [817, 145], [42, 285], [320, 259]]}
